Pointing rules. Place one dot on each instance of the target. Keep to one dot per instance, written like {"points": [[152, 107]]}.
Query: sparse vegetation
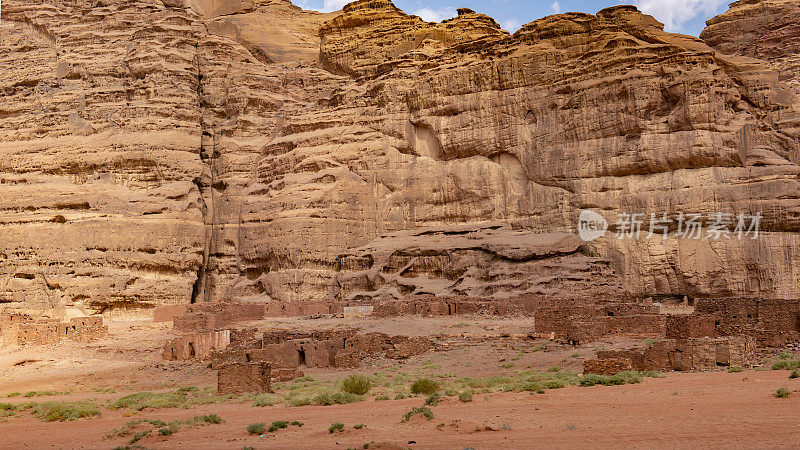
{"points": [[735, 369], [553, 369], [262, 400], [794, 374], [336, 426], [138, 436], [30, 394], [433, 399], [465, 397], [782, 393], [105, 390], [278, 425], [653, 374], [356, 384], [150, 400], [626, 377], [180, 398], [63, 411], [257, 428], [211, 418], [339, 398], [425, 386], [359, 426], [163, 428], [786, 365], [507, 365], [424, 411]]}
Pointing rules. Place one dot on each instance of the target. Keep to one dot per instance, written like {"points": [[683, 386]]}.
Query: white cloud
{"points": [[556, 7], [511, 25], [435, 15], [674, 13], [334, 5]]}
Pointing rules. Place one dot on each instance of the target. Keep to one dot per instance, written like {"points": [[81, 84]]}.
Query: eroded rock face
{"points": [[195, 150], [491, 261], [765, 29]]}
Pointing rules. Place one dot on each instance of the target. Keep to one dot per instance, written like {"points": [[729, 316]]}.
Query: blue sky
{"points": [[680, 16]]}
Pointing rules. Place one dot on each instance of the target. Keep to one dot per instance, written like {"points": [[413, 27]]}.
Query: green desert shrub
{"points": [[338, 398], [356, 384], [262, 400], [336, 426], [425, 386], [433, 399], [424, 411], [257, 428], [63, 411], [627, 377], [786, 365], [150, 400], [782, 393]]}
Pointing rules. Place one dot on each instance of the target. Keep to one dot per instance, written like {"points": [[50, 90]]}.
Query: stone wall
{"points": [[240, 378], [340, 349], [210, 316], [196, 346], [24, 330], [772, 322], [586, 323], [694, 354]]}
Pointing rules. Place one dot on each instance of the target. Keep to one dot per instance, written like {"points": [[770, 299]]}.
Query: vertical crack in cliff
{"points": [[198, 287]]}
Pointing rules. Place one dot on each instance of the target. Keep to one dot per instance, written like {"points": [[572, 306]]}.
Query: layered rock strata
{"points": [[167, 152]]}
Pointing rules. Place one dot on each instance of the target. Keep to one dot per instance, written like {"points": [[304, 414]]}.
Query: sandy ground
{"points": [[681, 410]]}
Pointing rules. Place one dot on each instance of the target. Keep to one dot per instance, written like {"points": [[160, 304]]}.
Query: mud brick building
{"points": [[211, 316], [772, 322], [340, 349], [237, 378], [695, 354], [690, 326], [20, 329], [85, 329], [196, 346], [586, 323]]}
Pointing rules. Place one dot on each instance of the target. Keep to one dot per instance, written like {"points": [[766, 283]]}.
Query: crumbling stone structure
{"points": [[690, 326], [196, 346], [695, 354], [586, 323], [607, 366], [237, 378], [340, 349], [211, 316], [19, 329], [772, 322]]}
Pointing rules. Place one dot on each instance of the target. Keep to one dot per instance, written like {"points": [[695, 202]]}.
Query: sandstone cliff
{"points": [[162, 152]]}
